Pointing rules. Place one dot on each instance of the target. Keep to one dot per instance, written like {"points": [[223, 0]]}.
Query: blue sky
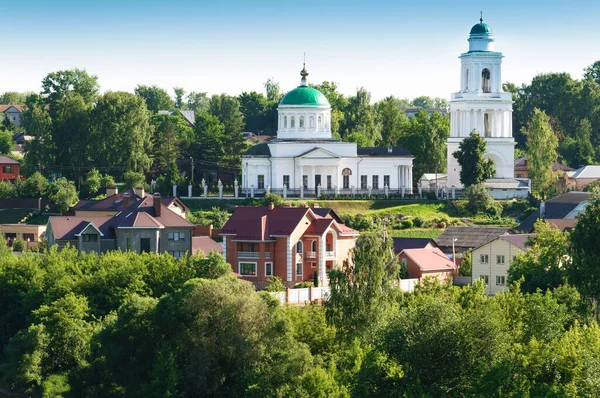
{"points": [[395, 48]]}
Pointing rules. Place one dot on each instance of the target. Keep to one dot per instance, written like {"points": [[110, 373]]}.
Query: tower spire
{"points": [[303, 72], [480, 16]]}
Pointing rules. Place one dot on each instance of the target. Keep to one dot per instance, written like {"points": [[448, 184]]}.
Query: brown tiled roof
{"points": [[7, 160], [116, 203], [319, 226], [521, 165], [260, 223], [206, 245], [65, 227], [518, 240], [430, 259], [467, 237], [4, 108]]}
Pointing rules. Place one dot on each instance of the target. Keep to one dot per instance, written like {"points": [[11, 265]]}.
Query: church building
{"points": [[481, 105], [305, 158]]}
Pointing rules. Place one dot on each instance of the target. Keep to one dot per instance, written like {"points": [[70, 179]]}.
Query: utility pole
{"points": [[192, 175]]}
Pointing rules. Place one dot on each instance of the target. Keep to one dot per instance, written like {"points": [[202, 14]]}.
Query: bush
{"points": [[419, 222], [275, 285], [19, 245], [407, 224], [480, 201], [272, 197], [302, 285]]}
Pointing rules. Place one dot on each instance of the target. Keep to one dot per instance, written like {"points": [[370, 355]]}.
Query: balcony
{"points": [[253, 255], [311, 254], [329, 254]]}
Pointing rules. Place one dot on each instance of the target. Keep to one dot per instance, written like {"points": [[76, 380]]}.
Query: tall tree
{"points": [[156, 98], [227, 110], [474, 169], [393, 121], [179, 93], [423, 102], [14, 98], [172, 137], [122, 134], [360, 117], [254, 107], [197, 102], [592, 72], [541, 151], [209, 136], [57, 85], [273, 90], [39, 152], [585, 153]]}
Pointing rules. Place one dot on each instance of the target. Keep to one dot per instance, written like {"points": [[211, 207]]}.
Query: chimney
{"points": [[315, 206], [139, 191], [110, 191], [542, 209], [126, 199], [390, 149], [156, 203], [271, 206]]}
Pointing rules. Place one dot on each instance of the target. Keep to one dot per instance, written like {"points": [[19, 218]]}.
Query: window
{"points": [[386, 181], [404, 262], [299, 247], [286, 181], [298, 268], [375, 182], [486, 125], [176, 236], [311, 122], [499, 259], [305, 182], [313, 246], [313, 264], [485, 81], [363, 182], [176, 254], [247, 269], [268, 269], [301, 122], [485, 279], [292, 122], [328, 182], [285, 122], [483, 259], [9, 169], [467, 80], [500, 280], [28, 237], [346, 182], [319, 122], [90, 238], [251, 247]]}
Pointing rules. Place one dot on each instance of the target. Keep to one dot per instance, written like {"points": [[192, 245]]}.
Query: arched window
{"points": [[299, 247], [467, 80], [285, 122], [314, 246], [292, 122], [301, 122], [311, 122], [319, 122], [486, 125], [485, 81]]}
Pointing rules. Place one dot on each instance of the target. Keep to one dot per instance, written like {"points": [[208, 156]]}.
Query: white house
{"points": [[481, 105], [305, 156]]}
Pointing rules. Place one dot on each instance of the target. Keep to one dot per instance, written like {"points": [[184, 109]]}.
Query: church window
{"points": [[467, 81], [301, 122], [485, 81], [346, 182], [319, 122], [285, 122], [292, 122], [375, 182], [261, 181], [386, 181], [286, 181], [363, 182], [486, 125], [311, 122]]}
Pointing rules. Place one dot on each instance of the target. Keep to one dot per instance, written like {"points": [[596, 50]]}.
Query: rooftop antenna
{"points": [[480, 16]]}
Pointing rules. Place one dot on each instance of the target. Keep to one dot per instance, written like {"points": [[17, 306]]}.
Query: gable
{"points": [[318, 153]]}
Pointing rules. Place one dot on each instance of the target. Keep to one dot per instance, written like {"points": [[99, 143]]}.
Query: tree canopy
{"points": [[474, 168]]}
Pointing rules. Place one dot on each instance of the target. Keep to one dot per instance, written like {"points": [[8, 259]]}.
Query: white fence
{"points": [[302, 296], [408, 285]]}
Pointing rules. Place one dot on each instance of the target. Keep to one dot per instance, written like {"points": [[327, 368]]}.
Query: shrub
{"points": [[419, 222], [407, 224], [441, 224], [480, 200], [302, 285], [19, 245], [275, 285], [272, 197], [316, 278]]}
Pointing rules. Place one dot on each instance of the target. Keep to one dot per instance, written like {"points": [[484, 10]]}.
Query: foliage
{"points": [[466, 265], [18, 245], [63, 193], [156, 98], [274, 198], [275, 284], [7, 145], [481, 201], [474, 169], [132, 179], [34, 186], [215, 217], [541, 151]]}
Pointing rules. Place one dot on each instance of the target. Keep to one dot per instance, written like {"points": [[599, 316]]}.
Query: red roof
{"points": [[4, 108], [7, 160], [430, 259], [65, 228], [206, 245], [116, 202], [318, 226]]}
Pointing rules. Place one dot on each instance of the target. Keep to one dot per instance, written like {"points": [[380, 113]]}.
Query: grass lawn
{"points": [[208, 204], [38, 220], [416, 233], [13, 216], [393, 207]]}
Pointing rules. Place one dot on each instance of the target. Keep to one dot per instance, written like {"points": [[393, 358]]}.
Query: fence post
{"points": [[302, 191], [387, 191], [318, 191], [174, 190], [310, 294], [252, 191], [284, 191], [189, 190], [220, 189], [403, 191], [236, 188], [287, 295]]}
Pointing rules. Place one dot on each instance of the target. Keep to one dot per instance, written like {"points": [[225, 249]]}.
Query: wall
{"points": [[135, 234], [168, 245], [9, 176], [492, 269]]}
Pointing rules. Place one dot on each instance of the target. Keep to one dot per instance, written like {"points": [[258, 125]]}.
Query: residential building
{"points": [[30, 234], [292, 243], [429, 181], [145, 225], [460, 239], [305, 158], [189, 116], [10, 169], [490, 261], [560, 212], [427, 263], [205, 245], [578, 179], [13, 112], [481, 105], [412, 243], [522, 168]]}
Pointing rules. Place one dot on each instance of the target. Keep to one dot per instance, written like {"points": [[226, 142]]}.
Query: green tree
{"points": [[172, 137], [423, 102], [197, 102], [34, 186], [474, 169], [273, 91], [121, 133], [592, 72], [179, 94], [227, 110], [360, 117], [39, 152], [209, 137], [58, 85], [541, 151], [254, 107], [13, 98], [361, 140], [7, 145], [7, 124], [584, 149], [133, 179], [393, 121], [63, 194], [156, 98], [481, 201]]}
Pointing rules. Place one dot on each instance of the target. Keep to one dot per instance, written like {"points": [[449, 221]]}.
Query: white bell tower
{"points": [[481, 105]]}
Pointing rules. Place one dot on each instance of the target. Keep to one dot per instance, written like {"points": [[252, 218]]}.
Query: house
{"points": [[560, 211], [490, 261], [9, 169], [423, 263], [30, 234], [13, 112], [460, 239], [116, 201], [189, 116], [145, 225], [522, 168], [578, 179], [429, 181], [292, 243], [412, 243], [205, 245]]}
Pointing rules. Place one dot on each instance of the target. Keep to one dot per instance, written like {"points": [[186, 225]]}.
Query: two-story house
{"points": [[490, 261], [292, 243], [9, 169], [144, 225]]}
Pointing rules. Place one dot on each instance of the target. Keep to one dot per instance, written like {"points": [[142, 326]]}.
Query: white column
{"points": [[473, 124], [502, 118], [410, 179], [481, 123], [510, 126], [405, 176]]}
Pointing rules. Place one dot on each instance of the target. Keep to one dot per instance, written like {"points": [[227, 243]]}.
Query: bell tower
{"points": [[481, 105]]}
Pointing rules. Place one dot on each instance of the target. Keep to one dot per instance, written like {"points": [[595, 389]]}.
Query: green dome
{"points": [[305, 96], [481, 29]]}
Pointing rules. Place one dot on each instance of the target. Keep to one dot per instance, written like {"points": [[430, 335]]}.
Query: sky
{"points": [[400, 48]]}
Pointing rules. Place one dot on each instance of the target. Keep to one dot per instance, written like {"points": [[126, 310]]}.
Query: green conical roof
{"points": [[481, 29], [305, 96]]}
